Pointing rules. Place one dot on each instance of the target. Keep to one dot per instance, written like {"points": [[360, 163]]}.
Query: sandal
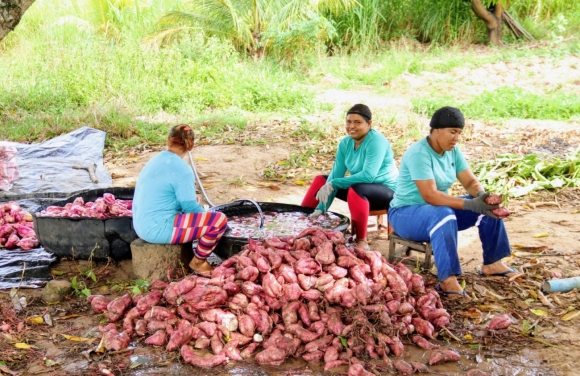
{"points": [[501, 274], [454, 295]]}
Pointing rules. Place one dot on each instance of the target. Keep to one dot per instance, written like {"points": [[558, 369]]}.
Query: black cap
{"points": [[447, 117], [362, 110]]}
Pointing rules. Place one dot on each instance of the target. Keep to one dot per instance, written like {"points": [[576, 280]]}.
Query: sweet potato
{"points": [[205, 362], [116, 341], [250, 288], [358, 370], [117, 307], [501, 212], [333, 364], [313, 357], [306, 281], [271, 286], [417, 284], [246, 325], [396, 346], [290, 313], [325, 255], [331, 352], [141, 327], [232, 288], [335, 324], [423, 343], [186, 311], [249, 273], [249, 350], [147, 301], [273, 303], [287, 272], [494, 199], [403, 367], [303, 314], [311, 295], [307, 266], [500, 322], [271, 356], [304, 335], [319, 343], [159, 338], [242, 339], [216, 344], [232, 352], [98, 303], [423, 327], [443, 356], [238, 302], [274, 258], [160, 313], [181, 336], [292, 291], [419, 367], [208, 327], [202, 343]]}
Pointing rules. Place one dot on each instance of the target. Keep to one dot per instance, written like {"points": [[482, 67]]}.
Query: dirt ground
{"points": [[544, 231]]}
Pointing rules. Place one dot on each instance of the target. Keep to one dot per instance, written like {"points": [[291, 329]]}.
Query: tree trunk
{"points": [[493, 19], [11, 11]]}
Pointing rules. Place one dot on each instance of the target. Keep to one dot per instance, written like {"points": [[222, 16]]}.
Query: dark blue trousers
{"points": [[440, 225]]}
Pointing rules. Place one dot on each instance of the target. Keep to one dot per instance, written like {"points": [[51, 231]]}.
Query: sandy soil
{"points": [[544, 231]]}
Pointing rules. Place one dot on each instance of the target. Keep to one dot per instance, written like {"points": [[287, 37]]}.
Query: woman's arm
{"points": [[469, 182], [432, 196]]}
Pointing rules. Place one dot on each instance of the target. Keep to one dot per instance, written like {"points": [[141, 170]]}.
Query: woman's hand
{"points": [[315, 214], [324, 193], [479, 205]]}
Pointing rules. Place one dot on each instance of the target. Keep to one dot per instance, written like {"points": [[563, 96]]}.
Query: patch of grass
{"points": [[507, 102]]}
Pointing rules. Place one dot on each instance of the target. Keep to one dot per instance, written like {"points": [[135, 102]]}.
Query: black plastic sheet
{"points": [[25, 269]]}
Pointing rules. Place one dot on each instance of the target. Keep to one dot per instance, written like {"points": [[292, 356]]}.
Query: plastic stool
{"points": [[407, 247]]}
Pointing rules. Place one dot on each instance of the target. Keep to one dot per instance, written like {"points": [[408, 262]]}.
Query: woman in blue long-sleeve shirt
{"points": [[165, 209], [368, 157]]}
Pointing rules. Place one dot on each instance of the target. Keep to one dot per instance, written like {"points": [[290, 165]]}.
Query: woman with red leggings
{"points": [[368, 157]]}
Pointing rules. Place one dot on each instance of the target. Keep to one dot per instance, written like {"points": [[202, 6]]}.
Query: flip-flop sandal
{"points": [[502, 274], [447, 294]]}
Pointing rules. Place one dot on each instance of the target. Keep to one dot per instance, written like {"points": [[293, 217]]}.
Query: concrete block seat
{"points": [[151, 261], [400, 248]]}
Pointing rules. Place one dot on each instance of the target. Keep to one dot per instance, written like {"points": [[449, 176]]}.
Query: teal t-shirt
{"points": [[421, 162], [372, 162], [165, 187]]}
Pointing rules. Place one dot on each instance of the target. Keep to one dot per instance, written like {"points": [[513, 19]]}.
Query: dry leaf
{"points": [[299, 182], [201, 159], [542, 235], [539, 312], [77, 339], [570, 315], [35, 320], [24, 346], [274, 187]]}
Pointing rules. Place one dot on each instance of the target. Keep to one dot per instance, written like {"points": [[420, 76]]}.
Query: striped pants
{"points": [[440, 226], [206, 227]]}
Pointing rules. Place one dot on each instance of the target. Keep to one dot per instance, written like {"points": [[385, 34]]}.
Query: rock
{"points": [[151, 261], [56, 290]]}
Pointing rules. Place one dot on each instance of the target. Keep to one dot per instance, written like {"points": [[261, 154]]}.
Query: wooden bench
{"points": [[405, 248], [151, 261]]}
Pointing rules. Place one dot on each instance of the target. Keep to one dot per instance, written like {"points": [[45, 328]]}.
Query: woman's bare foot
{"points": [[451, 289], [200, 266], [499, 269]]}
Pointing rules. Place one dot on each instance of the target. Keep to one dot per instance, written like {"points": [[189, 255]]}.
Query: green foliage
{"points": [[80, 288], [517, 176], [507, 102]]}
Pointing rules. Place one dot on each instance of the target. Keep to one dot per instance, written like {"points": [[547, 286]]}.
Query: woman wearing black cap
{"points": [[367, 155], [422, 209]]}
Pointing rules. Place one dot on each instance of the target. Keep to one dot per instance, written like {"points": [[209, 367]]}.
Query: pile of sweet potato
{"points": [[16, 228], [103, 207], [308, 297]]}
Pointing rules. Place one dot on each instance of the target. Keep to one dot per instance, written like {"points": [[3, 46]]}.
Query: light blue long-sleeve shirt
{"points": [[165, 187], [372, 162]]}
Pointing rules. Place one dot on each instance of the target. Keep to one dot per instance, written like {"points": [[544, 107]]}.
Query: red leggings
{"points": [[361, 199], [208, 227]]}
